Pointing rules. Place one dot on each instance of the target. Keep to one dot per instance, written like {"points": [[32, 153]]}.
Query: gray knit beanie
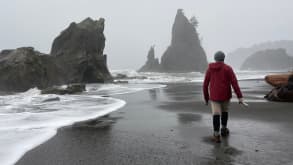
{"points": [[219, 56]]}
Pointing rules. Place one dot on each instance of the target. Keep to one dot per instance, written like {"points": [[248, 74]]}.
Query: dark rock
{"points": [[283, 93], [76, 88], [79, 52], [70, 89], [98, 123], [54, 90], [120, 76], [152, 64], [185, 54], [76, 57], [51, 99], [24, 68], [270, 59], [290, 82]]}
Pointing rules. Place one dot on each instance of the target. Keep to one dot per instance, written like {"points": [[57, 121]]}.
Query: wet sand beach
{"points": [[172, 126]]}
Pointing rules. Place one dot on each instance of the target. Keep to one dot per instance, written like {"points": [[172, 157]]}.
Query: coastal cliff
{"points": [[238, 56], [270, 59]]}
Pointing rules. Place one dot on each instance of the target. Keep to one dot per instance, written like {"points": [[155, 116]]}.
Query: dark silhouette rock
{"points": [[76, 57], [25, 68], [79, 52], [283, 93], [152, 64], [185, 53], [70, 89], [51, 99], [290, 82], [121, 76], [270, 59]]}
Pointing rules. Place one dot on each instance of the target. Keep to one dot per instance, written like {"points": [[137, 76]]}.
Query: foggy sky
{"points": [[132, 26]]}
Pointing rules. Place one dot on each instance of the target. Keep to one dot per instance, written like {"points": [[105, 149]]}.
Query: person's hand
{"points": [[240, 100]]}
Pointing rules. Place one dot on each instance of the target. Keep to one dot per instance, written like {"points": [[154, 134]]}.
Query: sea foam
{"points": [[26, 121]]}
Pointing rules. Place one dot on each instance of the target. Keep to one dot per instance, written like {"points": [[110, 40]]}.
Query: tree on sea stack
{"points": [[194, 21]]}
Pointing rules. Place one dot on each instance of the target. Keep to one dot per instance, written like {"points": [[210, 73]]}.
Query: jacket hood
{"points": [[216, 65]]}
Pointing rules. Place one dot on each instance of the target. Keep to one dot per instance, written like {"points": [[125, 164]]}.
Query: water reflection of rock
{"points": [[154, 93], [104, 123], [187, 118], [183, 92]]}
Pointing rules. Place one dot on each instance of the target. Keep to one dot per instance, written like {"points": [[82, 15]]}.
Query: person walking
{"points": [[217, 84]]}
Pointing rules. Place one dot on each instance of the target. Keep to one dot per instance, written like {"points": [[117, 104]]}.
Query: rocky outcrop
{"points": [[185, 54], [152, 64], [283, 93], [25, 68], [51, 99], [79, 52], [76, 57], [270, 59]]}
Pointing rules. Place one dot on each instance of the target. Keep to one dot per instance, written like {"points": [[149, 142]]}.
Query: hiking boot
{"points": [[224, 132], [216, 138]]}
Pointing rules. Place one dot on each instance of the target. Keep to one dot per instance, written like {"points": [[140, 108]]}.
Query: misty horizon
{"points": [[132, 27]]}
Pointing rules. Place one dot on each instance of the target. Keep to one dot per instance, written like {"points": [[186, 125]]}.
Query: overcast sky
{"points": [[132, 26]]}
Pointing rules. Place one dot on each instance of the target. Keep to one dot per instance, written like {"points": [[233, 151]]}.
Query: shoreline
{"points": [[171, 126]]}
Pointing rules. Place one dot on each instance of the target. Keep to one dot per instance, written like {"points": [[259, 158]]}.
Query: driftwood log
{"points": [[278, 80], [283, 91]]}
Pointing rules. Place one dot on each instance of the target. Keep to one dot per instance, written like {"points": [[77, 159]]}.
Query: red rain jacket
{"points": [[217, 83]]}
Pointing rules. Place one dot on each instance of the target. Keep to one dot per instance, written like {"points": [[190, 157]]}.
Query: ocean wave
{"points": [[27, 120], [157, 77], [25, 126]]}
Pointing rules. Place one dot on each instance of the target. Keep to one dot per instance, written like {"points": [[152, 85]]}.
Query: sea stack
{"points": [[25, 68], [76, 57], [79, 51], [185, 54], [152, 64]]}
